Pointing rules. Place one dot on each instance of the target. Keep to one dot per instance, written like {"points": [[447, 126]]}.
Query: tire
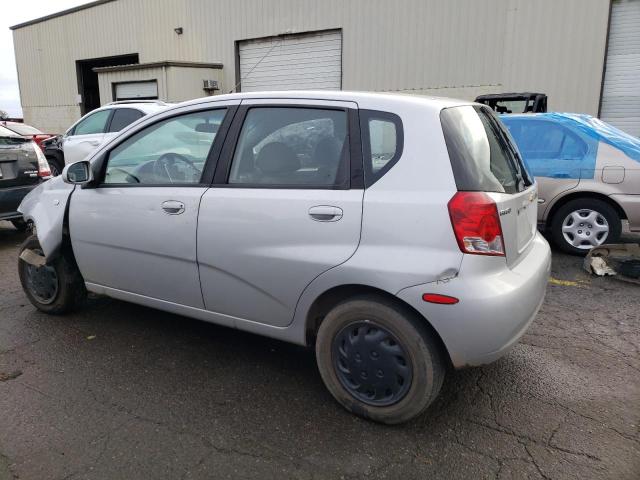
{"points": [[55, 166], [20, 224], [64, 294], [596, 215], [371, 317]]}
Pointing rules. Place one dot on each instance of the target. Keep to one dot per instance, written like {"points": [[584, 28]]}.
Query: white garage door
{"points": [[292, 62], [621, 91], [137, 90]]}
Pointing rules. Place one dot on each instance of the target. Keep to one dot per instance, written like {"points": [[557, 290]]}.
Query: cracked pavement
{"points": [[121, 391]]}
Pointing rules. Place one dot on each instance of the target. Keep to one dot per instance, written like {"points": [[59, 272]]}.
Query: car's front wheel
{"points": [[379, 360], [584, 223], [55, 287]]}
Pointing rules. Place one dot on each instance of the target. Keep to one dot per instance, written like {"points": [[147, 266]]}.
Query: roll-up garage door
{"points": [[621, 90], [137, 90], [292, 62]]}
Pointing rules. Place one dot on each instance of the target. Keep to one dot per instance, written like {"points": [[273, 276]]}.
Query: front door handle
{"points": [[325, 213], [173, 207], [94, 143]]}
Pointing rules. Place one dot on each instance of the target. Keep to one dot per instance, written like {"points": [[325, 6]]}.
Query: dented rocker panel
{"points": [[45, 207]]}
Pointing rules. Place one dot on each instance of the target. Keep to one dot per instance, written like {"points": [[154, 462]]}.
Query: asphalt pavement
{"points": [[118, 391]]}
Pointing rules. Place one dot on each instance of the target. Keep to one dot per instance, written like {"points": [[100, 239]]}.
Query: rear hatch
{"points": [[485, 159], [18, 160]]}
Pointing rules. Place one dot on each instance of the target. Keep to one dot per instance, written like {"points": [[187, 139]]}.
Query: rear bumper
{"points": [[497, 304], [631, 206], [10, 198]]}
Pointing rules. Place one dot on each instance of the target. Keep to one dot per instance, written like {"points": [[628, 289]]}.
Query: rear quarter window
{"points": [[483, 158], [382, 142]]}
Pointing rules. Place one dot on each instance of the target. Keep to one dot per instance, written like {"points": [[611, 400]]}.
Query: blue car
{"points": [[588, 175]]}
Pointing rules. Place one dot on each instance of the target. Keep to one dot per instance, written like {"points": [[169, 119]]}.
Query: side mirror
{"points": [[78, 173]]}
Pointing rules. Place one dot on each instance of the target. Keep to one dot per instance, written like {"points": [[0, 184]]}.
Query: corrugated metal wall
{"points": [[455, 47]]}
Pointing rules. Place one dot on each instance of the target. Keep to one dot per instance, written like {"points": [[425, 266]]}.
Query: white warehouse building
{"points": [[584, 54]]}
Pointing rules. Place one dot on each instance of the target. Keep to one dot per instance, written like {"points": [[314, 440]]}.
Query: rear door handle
{"points": [[173, 207], [94, 143], [325, 213]]}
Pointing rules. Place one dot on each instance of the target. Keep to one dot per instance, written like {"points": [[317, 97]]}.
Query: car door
{"points": [[286, 206], [135, 231], [85, 136]]}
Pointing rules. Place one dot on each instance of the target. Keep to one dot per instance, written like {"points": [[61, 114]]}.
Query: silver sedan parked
{"points": [[395, 234]]}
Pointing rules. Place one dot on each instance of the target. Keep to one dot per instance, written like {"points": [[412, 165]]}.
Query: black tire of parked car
{"points": [[55, 165], [603, 208], [20, 224], [403, 329], [70, 293]]}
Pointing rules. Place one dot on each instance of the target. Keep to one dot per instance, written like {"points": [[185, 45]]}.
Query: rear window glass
{"points": [[24, 129], [483, 157]]}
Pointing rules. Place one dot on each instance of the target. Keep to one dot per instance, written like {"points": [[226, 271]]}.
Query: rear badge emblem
{"points": [[506, 211]]}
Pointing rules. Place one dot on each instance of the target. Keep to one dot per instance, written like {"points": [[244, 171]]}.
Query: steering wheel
{"points": [[164, 164], [128, 176]]}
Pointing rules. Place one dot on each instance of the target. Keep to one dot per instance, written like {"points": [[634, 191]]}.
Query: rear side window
{"points": [[123, 117], [482, 155], [382, 140], [292, 146]]}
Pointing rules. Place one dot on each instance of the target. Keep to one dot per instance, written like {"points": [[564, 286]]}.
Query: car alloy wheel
{"points": [[585, 229], [371, 364]]}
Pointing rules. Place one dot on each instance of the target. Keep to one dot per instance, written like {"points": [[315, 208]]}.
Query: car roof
{"points": [[363, 99]]}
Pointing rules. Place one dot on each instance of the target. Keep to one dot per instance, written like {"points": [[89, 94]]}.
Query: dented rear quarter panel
{"points": [[45, 207]]}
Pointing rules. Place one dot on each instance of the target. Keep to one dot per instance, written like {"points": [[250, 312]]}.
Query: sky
{"points": [[14, 12]]}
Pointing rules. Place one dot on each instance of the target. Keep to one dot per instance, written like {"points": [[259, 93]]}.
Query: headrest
{"points": [[276, 157]]}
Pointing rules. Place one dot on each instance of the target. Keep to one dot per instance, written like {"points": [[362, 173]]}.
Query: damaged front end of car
{"points": [[45, 208]]}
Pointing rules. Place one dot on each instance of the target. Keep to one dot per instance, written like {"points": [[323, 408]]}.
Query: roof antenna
{"points": [[259, 61]]}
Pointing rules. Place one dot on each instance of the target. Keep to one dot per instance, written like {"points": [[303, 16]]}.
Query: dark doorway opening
{"points": [[88, 79]]}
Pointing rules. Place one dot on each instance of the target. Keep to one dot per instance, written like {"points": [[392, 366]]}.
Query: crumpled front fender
{"points": [[45, 207]]}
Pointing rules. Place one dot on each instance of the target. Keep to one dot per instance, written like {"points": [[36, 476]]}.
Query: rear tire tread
{"points": [[419, 341]]}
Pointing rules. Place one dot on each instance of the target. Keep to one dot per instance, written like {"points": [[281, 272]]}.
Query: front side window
{"points": [[306, 147], [172, 151], [94, 123], [123, 117]]}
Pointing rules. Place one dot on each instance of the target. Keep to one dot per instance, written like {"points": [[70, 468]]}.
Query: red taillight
{"points": [[476, 223], [441, 299], [43, 164]]}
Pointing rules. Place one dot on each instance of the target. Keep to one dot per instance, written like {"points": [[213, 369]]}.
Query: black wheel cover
{"points": [[371, 364], [42, 282]]}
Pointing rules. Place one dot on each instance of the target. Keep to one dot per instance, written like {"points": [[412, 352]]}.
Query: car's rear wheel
{"points": [[584, 223], [56, 287], [55, 166], [20, 224], [379, 360]]}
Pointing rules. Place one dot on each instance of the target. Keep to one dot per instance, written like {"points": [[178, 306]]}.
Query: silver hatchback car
{"points": [[396, 234]]}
